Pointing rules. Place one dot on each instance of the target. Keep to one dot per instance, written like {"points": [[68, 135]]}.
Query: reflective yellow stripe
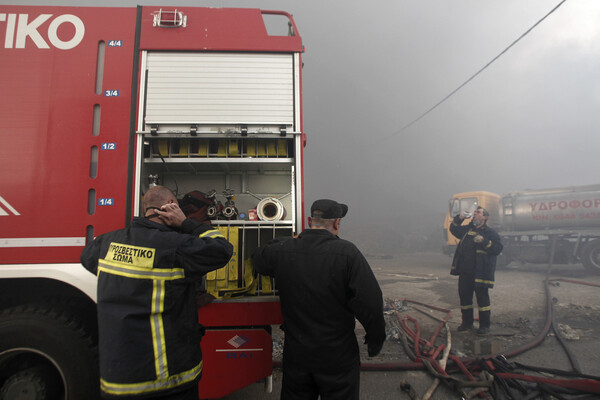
{"points": [[213, 233], [158, 332], [469, 307], [488, 308], [159, 276], [151, 386], [130, 271], [487, 246], [481, 251], [484, 281]]}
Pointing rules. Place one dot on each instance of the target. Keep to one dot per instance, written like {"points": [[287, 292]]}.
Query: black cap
{"points": [[331, 209]]}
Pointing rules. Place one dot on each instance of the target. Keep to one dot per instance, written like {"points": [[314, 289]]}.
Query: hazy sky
{"points": [[530, 120]]}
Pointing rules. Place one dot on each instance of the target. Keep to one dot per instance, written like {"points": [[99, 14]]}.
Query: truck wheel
{"points": [[44, 355], [590, 256]]}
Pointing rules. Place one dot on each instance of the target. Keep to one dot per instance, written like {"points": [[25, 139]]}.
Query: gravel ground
{"points": [[518, 317]]}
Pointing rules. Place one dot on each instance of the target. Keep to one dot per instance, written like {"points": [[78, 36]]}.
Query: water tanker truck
{"points": [[561, 225]]}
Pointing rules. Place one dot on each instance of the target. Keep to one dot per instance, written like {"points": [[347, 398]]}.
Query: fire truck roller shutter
{"points": [[220, 88]]}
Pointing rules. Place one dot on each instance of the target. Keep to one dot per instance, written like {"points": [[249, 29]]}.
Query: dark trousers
{"points": [[304, 385], [466, 287]]}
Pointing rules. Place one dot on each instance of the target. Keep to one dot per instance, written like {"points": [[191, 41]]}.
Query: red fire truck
{"points": [[98, 104]]}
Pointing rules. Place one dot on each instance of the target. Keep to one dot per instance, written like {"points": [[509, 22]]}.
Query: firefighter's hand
{"points": [[374, 348], [478, 239], [464, 214], [171, 215]]}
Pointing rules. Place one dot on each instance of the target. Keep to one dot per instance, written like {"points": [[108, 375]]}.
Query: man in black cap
{"points": [[324, 283]]}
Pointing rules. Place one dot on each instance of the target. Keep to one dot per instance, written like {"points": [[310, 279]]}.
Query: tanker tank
{"points": [[551, 209]]}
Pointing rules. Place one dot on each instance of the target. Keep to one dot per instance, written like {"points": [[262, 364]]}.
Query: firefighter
{"points": [[149, 336], [324, 282], [475, 264]]}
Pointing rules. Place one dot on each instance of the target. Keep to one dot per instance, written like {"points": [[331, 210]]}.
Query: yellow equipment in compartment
{"points": [[224, 148], [226, 282], [226, 277]]}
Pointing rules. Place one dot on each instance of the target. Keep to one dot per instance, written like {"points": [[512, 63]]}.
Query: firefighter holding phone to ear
{"points": [[149, 335]]}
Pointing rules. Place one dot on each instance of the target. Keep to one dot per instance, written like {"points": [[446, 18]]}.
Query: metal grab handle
{"points": [[169, 19]]}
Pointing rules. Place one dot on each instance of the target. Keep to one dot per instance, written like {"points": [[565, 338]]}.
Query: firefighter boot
{"points": [[467, 320], [484, 322]]}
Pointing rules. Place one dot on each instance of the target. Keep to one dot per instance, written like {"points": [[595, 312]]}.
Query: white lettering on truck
{"points": [[24, 29]]}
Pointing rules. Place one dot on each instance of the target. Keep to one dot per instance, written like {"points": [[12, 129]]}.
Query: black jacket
{"points": [[324, 283], [149, 336], [485, 253]]}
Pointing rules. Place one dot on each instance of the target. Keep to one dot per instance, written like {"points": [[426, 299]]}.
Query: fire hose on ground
{"points": [[495, 374], [487, 375]]}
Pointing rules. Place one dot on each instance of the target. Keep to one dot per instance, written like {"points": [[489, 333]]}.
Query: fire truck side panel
{"points": [[215, 29], [241, 313], [78, 144], [245, 354], [46, 125]]}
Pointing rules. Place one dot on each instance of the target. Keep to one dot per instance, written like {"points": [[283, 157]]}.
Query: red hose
{"points": [[454, 361], [510, 353], [576, 282]]}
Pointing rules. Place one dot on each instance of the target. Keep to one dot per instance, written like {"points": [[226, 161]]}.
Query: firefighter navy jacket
{"points": [[323, 282], [149, 336], [486, 252]]}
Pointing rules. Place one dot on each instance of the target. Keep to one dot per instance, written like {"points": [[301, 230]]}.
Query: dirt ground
{"points": [[418, 285]]}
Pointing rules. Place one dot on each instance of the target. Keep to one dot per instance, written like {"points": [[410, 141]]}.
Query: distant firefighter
{"points": [[475, 264]]}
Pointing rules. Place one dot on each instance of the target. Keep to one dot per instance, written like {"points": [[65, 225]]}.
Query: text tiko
{"points": [[18, 29]]}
